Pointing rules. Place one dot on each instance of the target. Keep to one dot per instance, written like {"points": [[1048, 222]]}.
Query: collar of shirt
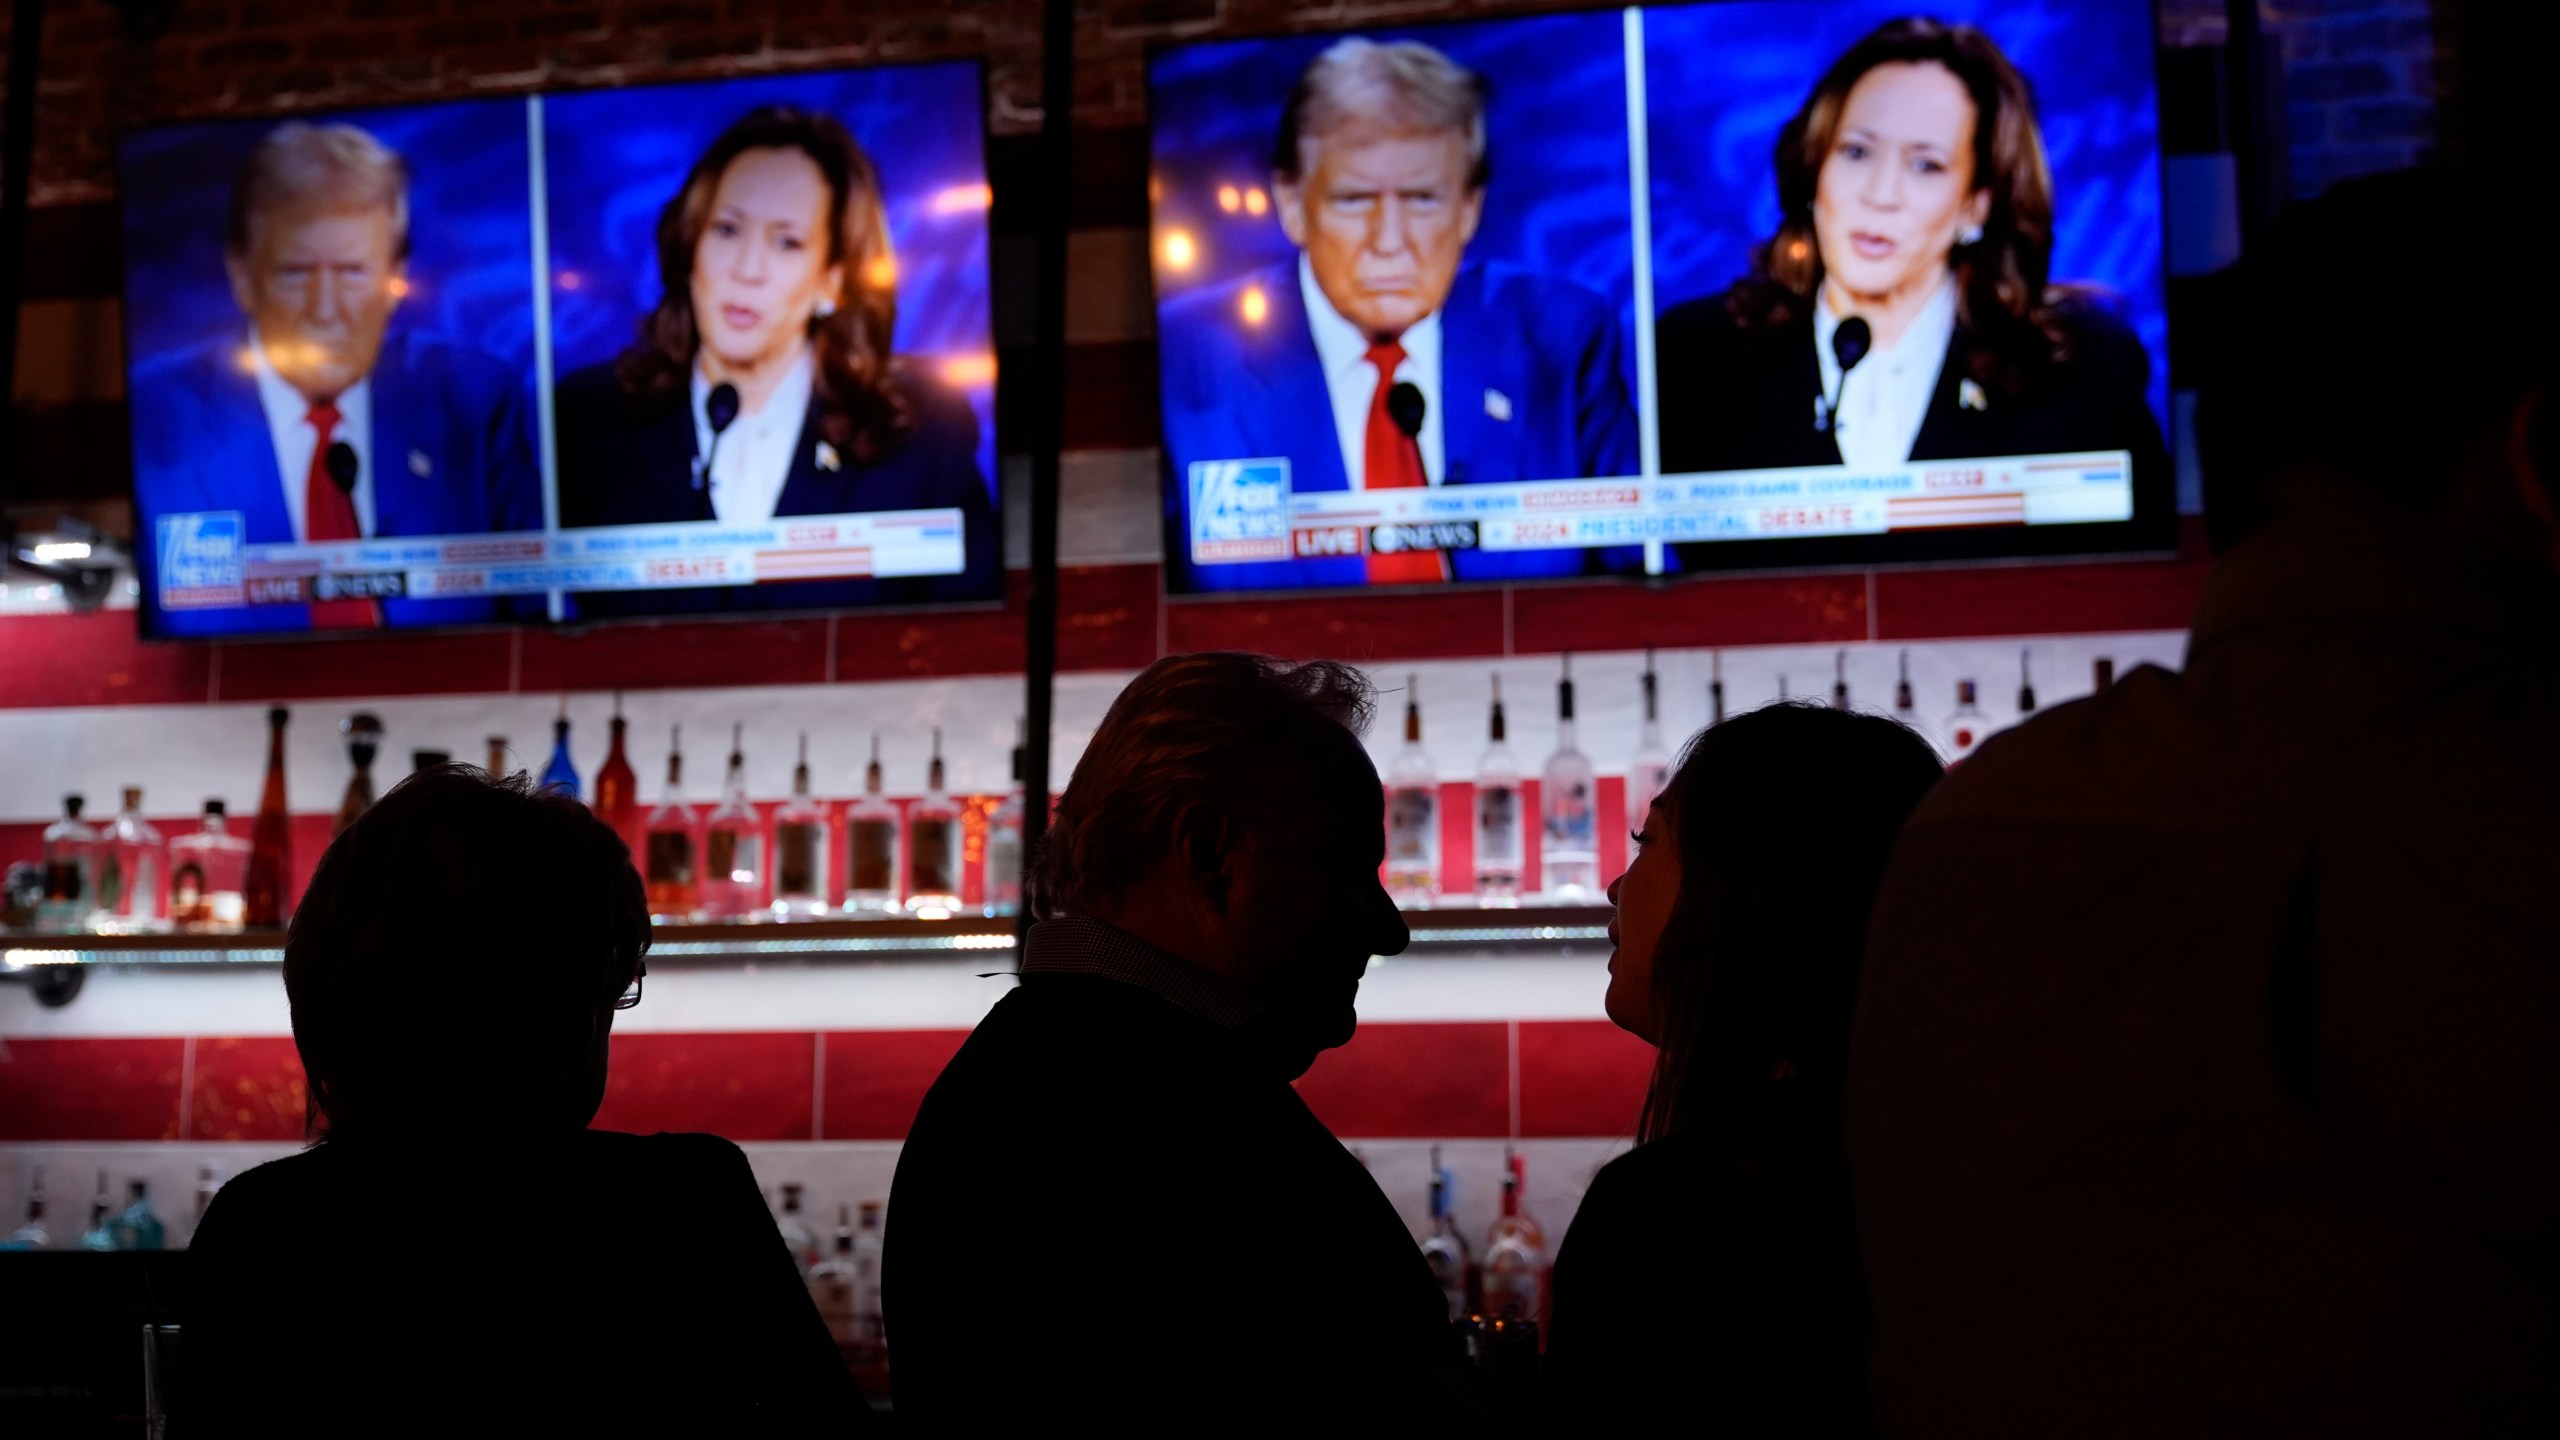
{"points": [[1887, 397], [289, 427], [1352, 381], [753, 462], [1075, 945]]}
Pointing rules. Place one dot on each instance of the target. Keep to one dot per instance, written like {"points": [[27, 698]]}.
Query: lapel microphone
{"points": [[720, 407], [341, 464], [1849, 342]]}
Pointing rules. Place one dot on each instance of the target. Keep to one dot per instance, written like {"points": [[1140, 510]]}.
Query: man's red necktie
{"points": [[1393, 461], [329, 513]]}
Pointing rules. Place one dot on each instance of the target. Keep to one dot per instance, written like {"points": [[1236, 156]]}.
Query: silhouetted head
{"points": [[1741, 922], [1226, 812], [2342, 373], [454, 967]]}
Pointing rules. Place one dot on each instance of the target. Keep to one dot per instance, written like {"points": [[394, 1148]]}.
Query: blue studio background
{"points": [[1722, 80], [470, 228], [614, 158], [1555, 131]]}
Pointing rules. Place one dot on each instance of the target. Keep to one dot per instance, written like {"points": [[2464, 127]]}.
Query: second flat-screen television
{"points": [[659, 350], [1649, 291]]}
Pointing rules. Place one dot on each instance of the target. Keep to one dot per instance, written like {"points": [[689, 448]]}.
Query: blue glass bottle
{"points": [[137, 1228], [560, 775]]}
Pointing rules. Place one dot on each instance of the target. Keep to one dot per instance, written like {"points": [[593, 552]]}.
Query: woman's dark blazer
{"points": [[625, 461], [1737, 398]]}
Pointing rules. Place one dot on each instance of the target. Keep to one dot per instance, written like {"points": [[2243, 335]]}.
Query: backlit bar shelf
{"points": [[1445, 931]]}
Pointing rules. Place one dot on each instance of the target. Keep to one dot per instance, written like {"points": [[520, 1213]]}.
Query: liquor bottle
{"points": [[1965, 727], [1515, 1255], [2026, 688], [136, 1228], [33, 1235], [560, 775], [800, 849], [933, 846], [1569, 831], [422, 760], [1840, 681], [1498, 839], [101, 1234], [733, 843], [497, 763], [675, 890], [1905, 708], [207, 874], [1783, 696], [1715, 688], [1004, 842], [871, 834], [132, 859], [2102, 673], [70, 870], [797, 1237], [1445, 1249], [1413, 814], [363, 734], [618, 785], [833, 1283], [1652, 764], [270, 839], [870, 1333]]}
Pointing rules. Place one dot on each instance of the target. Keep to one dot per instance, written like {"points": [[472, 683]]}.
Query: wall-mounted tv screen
{"points": [[1649, 291], [689, 348]]}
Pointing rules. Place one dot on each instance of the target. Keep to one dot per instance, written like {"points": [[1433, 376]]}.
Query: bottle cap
{"points": [[133, 797], [1964, 692], [216, 807], [72, 804]]}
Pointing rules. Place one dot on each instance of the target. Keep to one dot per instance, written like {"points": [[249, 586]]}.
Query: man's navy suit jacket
{"points": [[452, 454], [1533, 386]]}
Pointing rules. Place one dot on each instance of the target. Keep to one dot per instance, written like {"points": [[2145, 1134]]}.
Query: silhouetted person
{"points": [[1113, 1198], [1710, 1282], [2207, 1075], [456, 1253]]}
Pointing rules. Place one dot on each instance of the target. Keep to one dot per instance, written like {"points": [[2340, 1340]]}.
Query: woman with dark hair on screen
{"points": [[763, 384], [457, 1251], [1917, 204], [1710, 1280]]}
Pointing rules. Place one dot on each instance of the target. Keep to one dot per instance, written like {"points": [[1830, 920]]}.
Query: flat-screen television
{"points": [[1765, 283], [673, 349]]}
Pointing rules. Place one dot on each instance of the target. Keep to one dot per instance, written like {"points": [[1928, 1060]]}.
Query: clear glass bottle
{"points": [[1840, 681], [1905, 708], [1499, 843], [136, 1228], [270, 840], [834, 1283], [800, 849], [1652, 764], [70, 870], [2026, 687], [870, 1333], [207, 873], [133, 861], [933, 846], [797, 1237], [363, 734], [33, 1235], [101, 1234], [1003, 889], [1715, 688], [871, 837], [1445, 1249], [1965, 728], [618, 785], [733, 844], [1413, 814], [675, 886], [560, 774], [1568, 830], [1515, 1254]]}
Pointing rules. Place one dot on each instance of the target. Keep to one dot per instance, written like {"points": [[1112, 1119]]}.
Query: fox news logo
{"points": [[1437, 535], [203, 559], [1239, 511]]}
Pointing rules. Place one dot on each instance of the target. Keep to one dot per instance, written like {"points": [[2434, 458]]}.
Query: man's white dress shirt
{"points": [[289, 426], [1352, 379]]}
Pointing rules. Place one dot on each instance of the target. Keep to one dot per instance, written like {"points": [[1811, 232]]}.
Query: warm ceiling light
{"points": [[969, 370], [1180, 250], [961, 199], [1256, 305], [1228, 199], [1255, 202]]}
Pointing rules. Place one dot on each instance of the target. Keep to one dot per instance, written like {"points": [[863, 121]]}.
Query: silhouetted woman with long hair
{"points": [[1711, 1277]]}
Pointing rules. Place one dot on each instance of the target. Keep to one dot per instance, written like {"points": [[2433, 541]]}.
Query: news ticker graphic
{"points": [[205, 561], [1245, 510]]}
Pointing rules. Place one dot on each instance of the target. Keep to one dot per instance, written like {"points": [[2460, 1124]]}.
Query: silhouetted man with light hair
{"points": [[1114, 1190]]}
